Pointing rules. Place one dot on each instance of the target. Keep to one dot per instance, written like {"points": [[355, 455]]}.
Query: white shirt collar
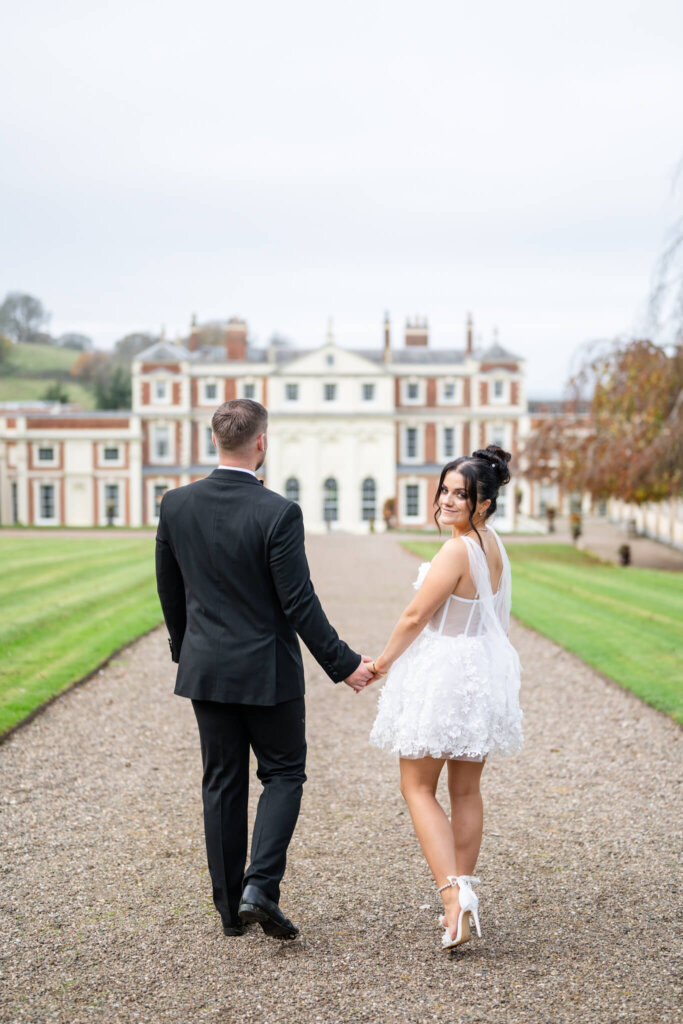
{"points": [[240, 469]]}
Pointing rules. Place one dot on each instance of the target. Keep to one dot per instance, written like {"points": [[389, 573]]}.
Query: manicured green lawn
{"points": [[66, 604], [624, 622], [28, 389]]}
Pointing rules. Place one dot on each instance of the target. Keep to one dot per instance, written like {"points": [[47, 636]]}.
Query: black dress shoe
{"points": [[234, 929], [256, 906]]}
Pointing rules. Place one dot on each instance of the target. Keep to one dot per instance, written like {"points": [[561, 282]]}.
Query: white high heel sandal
{"points": [[469, 911]]}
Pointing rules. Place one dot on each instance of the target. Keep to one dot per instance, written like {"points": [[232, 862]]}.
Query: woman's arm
{"points": [[448, 566]]}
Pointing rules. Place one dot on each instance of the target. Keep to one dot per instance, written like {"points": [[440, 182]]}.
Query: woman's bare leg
{"points": [[419, 779], [467, 824], [467, 812]]}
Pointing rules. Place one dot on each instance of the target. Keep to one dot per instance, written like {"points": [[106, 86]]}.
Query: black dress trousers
{"points": [[277, 735]]}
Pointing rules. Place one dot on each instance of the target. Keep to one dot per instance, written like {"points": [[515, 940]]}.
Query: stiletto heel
{"points": [[469, 911]]}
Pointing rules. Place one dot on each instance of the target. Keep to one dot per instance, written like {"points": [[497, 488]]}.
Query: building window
{"points": [[368, 500], [329, 359], [111, 502], [410, 442], [46, 454], [210, 392], [159, 492], [292, 489], [498, 436], [111, 454], [292, 392], [412, 392], [330, 501], [330, 392], [209, 447], [368, 392], [161, 443], [160, 390], [450, 393], [448, 442], [47, 501], [412, 501], [250, 391], [499, 390]]}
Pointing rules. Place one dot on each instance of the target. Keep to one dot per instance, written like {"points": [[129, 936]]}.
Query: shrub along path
{"points": [[105, 910]]}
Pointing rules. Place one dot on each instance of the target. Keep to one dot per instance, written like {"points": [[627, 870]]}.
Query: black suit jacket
{"points": [[235, 590]]}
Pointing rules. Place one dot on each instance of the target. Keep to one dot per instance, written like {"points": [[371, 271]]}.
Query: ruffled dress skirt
{"points": [[451, 696]]}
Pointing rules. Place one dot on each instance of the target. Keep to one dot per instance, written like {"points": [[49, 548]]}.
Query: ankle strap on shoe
{"points": [[459, 880]]}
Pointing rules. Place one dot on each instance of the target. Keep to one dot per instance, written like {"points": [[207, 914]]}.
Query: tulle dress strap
{"points": [[494, 609]]}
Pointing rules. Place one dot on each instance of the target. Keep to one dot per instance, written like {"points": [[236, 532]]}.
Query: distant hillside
{"points": [[31, 369]]}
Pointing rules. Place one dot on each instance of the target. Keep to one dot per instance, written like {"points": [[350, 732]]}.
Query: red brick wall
{"points": [[430, 443], [514, 392], [466, 391], [513, 367], [230, 389], [466, 439], [149, 367], [484, 392], [194, 393], [397, 391], [431, 392], [177, 392], [146, 393], [178, 442], [43, 423]]}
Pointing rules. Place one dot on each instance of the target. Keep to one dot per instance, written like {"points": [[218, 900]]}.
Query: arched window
{"points": [[368, 499], [292, 489], [330, 501]]}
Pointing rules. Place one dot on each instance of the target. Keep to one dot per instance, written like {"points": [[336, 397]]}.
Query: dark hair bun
{"points": [[497, 459]]}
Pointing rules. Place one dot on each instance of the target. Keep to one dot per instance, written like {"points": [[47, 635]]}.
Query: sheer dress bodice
{"points": [[485, 613]]}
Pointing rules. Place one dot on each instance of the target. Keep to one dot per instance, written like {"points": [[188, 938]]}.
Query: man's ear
{"points": [[213, 438], [261, 442]]}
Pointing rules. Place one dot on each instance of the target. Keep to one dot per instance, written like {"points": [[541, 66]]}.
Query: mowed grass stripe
{"points": [[35, 590], [94, 584], [67, 656], [639, 604], [67, 605], [623, 622]]}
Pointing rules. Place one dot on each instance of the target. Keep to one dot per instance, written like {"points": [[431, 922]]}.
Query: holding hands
{"points": [[366, 673]]}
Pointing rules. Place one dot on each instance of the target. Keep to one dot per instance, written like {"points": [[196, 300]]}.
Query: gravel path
{"points": [[105, 911]]}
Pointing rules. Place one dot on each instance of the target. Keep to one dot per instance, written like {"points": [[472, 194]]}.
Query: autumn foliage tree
{"points": [[626, 441]]}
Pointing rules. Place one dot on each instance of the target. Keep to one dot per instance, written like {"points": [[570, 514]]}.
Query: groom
{"points": [[235, 590]]}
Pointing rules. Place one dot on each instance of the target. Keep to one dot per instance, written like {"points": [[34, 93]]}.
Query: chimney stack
{"points": [[417, 333], [193, 343], [468, 348], [387, 338], [236, 339]]}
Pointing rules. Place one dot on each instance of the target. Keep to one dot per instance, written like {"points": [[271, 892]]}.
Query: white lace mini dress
{"points": [[454, 692]]}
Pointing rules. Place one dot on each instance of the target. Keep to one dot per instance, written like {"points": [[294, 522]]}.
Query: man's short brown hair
{"points": [[235, 424]]}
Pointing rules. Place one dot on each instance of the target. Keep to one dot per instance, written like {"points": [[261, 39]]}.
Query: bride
{"points": [[452, 694]]}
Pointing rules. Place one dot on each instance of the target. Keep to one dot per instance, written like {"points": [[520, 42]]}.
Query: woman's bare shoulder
{"points": [[453, 550]]}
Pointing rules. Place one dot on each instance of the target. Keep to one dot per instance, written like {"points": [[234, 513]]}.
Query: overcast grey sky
{"points": [[293, 161]]}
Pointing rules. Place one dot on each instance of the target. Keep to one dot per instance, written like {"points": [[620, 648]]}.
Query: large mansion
{"points": [[350, 431]]}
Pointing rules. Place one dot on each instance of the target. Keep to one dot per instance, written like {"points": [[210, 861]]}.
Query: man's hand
{"points": [[359, 679]]}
